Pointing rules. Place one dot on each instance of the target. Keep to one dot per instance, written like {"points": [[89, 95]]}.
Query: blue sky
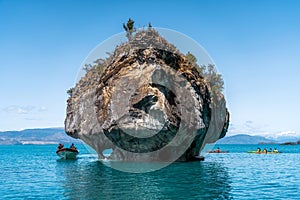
{"points": [[255, 45]]}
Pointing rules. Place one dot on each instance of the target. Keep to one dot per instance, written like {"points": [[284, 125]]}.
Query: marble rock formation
{"points": [[147, 102]]}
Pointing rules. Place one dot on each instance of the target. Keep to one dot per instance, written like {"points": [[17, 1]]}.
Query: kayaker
{"points": [[265, 151], [73, 146], [218, 150], [258, 150], [60, 146], [275, 150]]}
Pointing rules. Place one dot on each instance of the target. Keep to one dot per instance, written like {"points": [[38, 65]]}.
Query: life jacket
{"points": [[265, 151]]}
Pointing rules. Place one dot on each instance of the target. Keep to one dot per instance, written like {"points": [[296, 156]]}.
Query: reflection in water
{"points": [[193, 180]]}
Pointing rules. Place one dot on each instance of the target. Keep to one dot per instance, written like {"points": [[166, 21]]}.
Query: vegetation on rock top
{"points": [[143, 39]]}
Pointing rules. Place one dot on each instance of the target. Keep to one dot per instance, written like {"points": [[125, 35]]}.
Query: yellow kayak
{"points": [[269, 152]]}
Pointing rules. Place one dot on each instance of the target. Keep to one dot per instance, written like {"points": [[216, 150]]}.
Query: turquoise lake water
{"points": [[34, 172]]}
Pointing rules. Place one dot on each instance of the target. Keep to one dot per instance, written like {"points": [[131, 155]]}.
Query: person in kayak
{"points": [[60, 146], [275, 150], [258, 150], [265, 151], [73, 146], [218, 150]]}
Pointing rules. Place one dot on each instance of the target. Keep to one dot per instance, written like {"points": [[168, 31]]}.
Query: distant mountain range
{"points": [[58, 135], [36, 136], [248, 139]]}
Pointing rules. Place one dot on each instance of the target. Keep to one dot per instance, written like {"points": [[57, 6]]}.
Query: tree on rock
{"points": [[129, 28], [214, 78], [191, 58], [210, 73]]}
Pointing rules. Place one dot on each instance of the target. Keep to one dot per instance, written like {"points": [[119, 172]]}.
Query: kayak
{"points": [[67, 153], [214, 151], [269, 152]]}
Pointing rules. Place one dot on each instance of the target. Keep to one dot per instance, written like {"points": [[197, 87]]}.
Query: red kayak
{"points": [[67, 153], [216, 151]]}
